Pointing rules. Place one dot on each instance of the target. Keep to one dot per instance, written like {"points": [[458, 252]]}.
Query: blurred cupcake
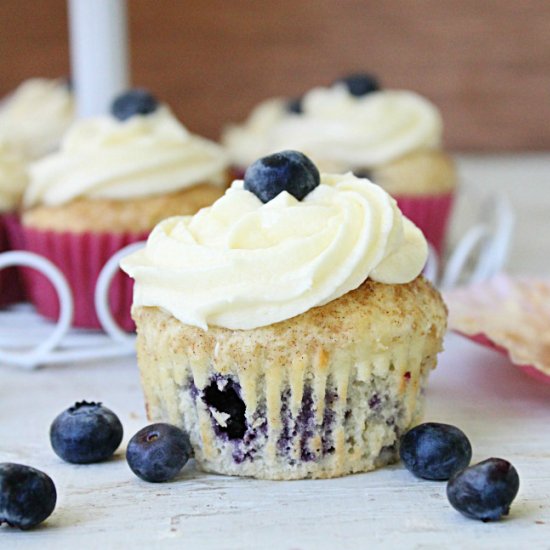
{"points": [[36, 115], [287, 327], [112, 180], [32, 120], [13, 179], [392, 136]]}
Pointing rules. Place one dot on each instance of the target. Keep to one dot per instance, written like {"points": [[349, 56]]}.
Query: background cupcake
{"points": [[112, 180], [33, 119], [286, 327], [35, 116], [13, 179], [392, 136]]}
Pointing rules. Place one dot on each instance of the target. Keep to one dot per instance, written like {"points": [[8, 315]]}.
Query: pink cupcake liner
{"points": [[11, 281], [14, 228], [80, 257], [430, 213]]}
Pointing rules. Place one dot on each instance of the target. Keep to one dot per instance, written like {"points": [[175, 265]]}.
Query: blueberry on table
{"points": [[86, 433], [27, 495], [435, 451], [295, 106], [484, 491], [360, 84], [133, 102], [289, 171], [158, 452]]}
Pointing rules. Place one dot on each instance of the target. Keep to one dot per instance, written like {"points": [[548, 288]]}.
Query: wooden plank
{"points": [[485, 64]]}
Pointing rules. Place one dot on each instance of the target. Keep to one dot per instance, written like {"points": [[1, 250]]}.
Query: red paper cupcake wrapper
{"points": [[80, 257], [430, 213], [11, 280]]}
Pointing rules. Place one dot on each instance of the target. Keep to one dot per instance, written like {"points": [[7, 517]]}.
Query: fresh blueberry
{"points": [[85, 433], [360, 84], [133, 102], [295, 106], [289, 171], [484, 491], [225, 399], [158, 452], [27, 495], [435, 451]]}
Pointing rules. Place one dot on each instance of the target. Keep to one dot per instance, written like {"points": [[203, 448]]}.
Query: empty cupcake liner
{"points": [[80, 257]]}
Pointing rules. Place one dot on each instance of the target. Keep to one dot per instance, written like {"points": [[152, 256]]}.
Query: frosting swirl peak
{"points": [[35, 116], [243, 264], [338, 130], [106, 158]]}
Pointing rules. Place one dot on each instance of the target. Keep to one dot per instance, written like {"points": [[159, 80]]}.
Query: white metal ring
{"points": [[32, 357], [101, 297]]}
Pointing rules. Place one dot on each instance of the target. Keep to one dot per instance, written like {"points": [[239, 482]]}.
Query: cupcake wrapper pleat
{"points": [[11, 280], [80, 257]]}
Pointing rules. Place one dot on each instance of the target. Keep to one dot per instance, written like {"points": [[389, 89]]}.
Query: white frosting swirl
{"points": [[13, 176], [36, 115], [340, 131], [242, 264], [249, 141], [144, 155]]}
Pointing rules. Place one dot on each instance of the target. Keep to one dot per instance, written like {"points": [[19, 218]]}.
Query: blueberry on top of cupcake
{"points": [[133, 102], [289, 171], [295, 106], [360, 84]]}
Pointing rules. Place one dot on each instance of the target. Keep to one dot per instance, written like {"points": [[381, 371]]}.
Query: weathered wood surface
{"points": [[485, 64], [105, 506], [505, 413]]}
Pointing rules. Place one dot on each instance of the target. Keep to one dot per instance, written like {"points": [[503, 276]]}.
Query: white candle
{"points": [[99, 53]]}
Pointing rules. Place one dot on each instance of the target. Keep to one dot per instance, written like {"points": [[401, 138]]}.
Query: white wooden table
{"points": [[505, 414]]}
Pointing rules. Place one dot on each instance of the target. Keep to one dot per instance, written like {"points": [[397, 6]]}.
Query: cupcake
{"points": [[287, 327], [392, 136], [36, 115], [113, 179], [32, 120], [13, 179]]}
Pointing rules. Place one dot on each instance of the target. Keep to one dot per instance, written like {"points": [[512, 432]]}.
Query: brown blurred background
{"points": [[485, 63]]}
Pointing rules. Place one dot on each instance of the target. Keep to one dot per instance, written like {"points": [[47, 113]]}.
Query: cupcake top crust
{"points": [[13, 176], [277, 244], [36, 115], [341, 127], [141, 150]]}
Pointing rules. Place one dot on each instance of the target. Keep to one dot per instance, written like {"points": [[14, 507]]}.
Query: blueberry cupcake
{"points": [[113, 179], [287, 327], [32, 120], [394, 137]]}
